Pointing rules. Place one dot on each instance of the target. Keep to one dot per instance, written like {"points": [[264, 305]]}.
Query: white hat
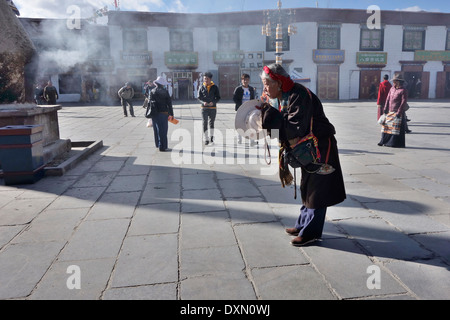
{"points": [[160, 80], [248, 122]]}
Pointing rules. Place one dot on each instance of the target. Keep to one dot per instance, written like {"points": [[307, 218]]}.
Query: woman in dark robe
{"points": [[322, 185]]}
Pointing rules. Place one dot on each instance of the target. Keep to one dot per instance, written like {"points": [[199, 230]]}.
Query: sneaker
{"points": [[299, 241], [206, 142]]}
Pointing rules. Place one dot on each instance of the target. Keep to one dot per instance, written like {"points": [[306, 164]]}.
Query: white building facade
{"points": [[338, 53]]}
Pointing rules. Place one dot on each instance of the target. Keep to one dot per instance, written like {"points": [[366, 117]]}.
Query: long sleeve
{"points": [[169, 105], [402, 104], [387, 103]]}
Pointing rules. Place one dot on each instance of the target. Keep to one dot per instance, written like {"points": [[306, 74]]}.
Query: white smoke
{"points": [[61, 47]]}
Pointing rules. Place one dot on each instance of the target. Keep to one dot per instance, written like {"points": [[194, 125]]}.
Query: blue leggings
{"points": [[311, 222]]}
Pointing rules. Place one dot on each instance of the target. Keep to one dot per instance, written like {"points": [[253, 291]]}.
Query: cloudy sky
{"points": [[61, 8]]}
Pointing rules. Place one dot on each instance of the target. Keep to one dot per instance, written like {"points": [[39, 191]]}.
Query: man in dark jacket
{"points": [[160, 99], [208, 95], [50, 93], [243, 93]]}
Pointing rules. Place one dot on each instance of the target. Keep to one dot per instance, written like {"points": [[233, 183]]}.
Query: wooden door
{"points": [[229, 80], [440, 84], [369, 82], [425, 85], [328, 82]]}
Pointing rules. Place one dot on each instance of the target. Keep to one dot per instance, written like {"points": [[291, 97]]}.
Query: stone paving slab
{"points": [[22, 266], [327, 258], [225, 286], [143, 224], [146, 259], [215, 227], [96, 239], [277, 251], [291, 283], [95, 275]]}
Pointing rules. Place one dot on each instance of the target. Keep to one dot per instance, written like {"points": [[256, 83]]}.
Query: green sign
{"points": [[371, 58], [181, 59], [228, 56], [429, 55]]}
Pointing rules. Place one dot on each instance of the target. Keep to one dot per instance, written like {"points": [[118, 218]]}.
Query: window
{"points": [[371, 40], [228, 40], [329, 36], [413, 38], [181, 40], [447, 43], [271, 43], [135, 40]]}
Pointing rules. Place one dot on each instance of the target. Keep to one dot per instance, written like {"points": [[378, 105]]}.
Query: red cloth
{"points": [[383, 91], [286, 82]]}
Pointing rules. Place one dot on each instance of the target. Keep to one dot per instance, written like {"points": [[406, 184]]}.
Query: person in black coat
{"points": [[159, 97], [50, 93], [322, 184], [208, 95], [243, 93]]}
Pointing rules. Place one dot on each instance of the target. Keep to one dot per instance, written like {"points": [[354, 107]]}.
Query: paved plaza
{"points": [[197, 223]]}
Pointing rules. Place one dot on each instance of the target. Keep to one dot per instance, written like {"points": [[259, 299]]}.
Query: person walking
{"points": [[383, 91], [126, 94], [39, 94], [160, 99], [50, 93], [208, 95], [320, 189], [241, 94], [395, 106]]}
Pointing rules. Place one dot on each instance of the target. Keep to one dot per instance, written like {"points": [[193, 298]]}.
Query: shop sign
{"points": [[328, 56], [137, 57], [181, 59], [431, 55], [371, 58], [137, 72], [228, 56]]}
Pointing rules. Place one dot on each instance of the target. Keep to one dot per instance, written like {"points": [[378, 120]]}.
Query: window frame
{"points": [[364, 29], [329, 27], [447, 42], [182, 33], [136, 39], [222, 41], [411, 29]]}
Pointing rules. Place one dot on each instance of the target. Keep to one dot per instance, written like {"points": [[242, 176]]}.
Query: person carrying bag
{"points": [[160, 111]]}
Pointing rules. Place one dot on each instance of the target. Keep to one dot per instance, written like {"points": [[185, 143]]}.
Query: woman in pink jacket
{"points": [[395, 107]]}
